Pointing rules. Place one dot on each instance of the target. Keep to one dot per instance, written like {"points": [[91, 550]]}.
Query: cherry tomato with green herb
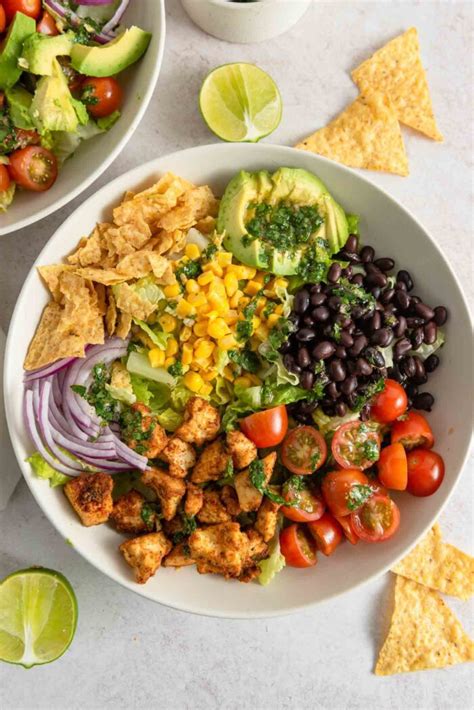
{"points": [[327, 532], [47, 25], [348, 530], [4, 178], [377, 520], [345, 490], [297, 547], [425, 472], [413, 431], [32, 8], [390, 403], [392, 467], [102, 96], [356, 445], [3, 19], [266, 428], [304, 450], [33, 168], [307, 505]]}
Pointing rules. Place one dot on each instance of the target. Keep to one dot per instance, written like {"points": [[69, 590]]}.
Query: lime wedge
{"points": [[240, 102], [38, 616]]}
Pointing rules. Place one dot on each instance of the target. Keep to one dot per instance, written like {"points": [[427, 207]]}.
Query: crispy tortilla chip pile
{"points": [[393, 87], [148, 228]]}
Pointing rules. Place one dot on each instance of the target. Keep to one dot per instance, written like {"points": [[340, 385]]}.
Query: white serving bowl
{"points": [[95, 155], [394, 232]]}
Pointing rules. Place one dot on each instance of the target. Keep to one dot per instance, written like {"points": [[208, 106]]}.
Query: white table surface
{"points": [[131, 653]]}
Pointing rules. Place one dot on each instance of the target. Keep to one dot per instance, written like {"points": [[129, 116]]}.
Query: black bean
{"points": [[328, 330], [375, 322], [419, 377], [286, 347], [294, 318], [374, 357], [406, 278], [321, 314], [349, 385], [376, 291], [367, 254], [350, 256], [360, 343], [396, 374], [424, 311], [336, 370], [343, 320], [317, 299], [385, 264], [401, 286], [328, 408], [308, 321], [414, 322], [387, 296], [363, 367], [440, 315], [365, 413], [350, 328], [323, 350], [430, 331], [431, 363], [407, 366], [352, 243], [347, 272], [307, 407], [358, 312], [341, 409], [301, 301], [332, 390], [424, 401], [402, 299], [346, 339], [417, 337], [305, 334], [290, 364], [340, 352], [376, 279], [411, 389], [401, 348], [382, 337], [307, 379], [357, 280], [334, 303], [303, 357], [400, 327], [316, 288], [334, 273]]}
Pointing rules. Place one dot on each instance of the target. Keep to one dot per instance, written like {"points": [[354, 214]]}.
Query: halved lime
{"points": [[38, 616], [240, 102]]}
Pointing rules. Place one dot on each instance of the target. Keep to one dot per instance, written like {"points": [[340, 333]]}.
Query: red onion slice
{"points": [[49, 370]]}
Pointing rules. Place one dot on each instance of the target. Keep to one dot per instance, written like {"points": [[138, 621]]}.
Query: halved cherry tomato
{"points": [[356, 445], [392, 467], [348, 530], [266, 428], [102, 96], [32, 8], [304, 450], [307, 505], [47, 25], [26, 137], [327, 532], [34, 168], [3, 19], [297, 547], [339, 493], [390, 403], [425, 472], [413, 431], [376, 520], [4, 178]]}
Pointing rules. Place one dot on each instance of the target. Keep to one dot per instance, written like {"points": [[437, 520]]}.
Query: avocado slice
{"points": [[20, 29], [52, 108], [113, 57], [39, 51]]}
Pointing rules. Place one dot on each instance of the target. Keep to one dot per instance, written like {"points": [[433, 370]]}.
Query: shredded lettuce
{"points": [[179, 396], [81, 112], [6, 197], [169, 419], [107, 122], [424, 351], [274, 563], [154, 394], [222, 391], [139, 364], [156, 334], [64, 144], [326, 424], [353, 223], [43, 470], [277, 372], [252, 399]]}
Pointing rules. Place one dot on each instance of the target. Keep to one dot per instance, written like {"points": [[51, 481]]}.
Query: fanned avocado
{"points": [[277, 222], [21, 28], [113, 57]]}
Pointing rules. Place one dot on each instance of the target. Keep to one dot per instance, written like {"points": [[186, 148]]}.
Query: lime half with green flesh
{"points": [[240, 102], [38, 616]]}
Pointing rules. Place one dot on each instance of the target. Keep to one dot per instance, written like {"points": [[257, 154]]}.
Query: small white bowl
{"points": [[245, 22], [95, 155]]}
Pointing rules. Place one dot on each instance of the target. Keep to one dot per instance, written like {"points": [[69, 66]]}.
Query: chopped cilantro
{"points": [[371, 450], [352, 295], [79, 389], [358, 495], [148, 515], [189, 526], [228, 477], [370, 391], [257, 479], [285, 226], [246, 359], [176, 369], [209, 252], [188, 270], [106, 407], [131, 426], [244, 330]]}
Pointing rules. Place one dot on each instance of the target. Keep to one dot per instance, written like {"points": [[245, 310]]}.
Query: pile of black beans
{"points": [[347, 338]]}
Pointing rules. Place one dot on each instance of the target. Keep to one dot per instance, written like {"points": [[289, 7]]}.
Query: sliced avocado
{"points": [[113, 57], [296, 185], [39, 50], [337, 228], [19, 105], [52, 108], [20, 29], [242, 190]]}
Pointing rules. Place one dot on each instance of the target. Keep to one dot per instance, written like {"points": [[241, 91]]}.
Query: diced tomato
{"points": [[307, 505], [304, 450], [4, 178], [392, 467], [327, 532], [413, 431], [346, 525], [356, 445], [425, 472], [32, 8], [34, 168], [390, 403], [345, 490], [266, 428], [47, 25], [297, 547], [102, 96], [3, 19], [377, 520]]}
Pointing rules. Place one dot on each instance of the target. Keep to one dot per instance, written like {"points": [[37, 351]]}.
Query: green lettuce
{"points": [[169, 419], [155, 395], [326, 424], [353, 223], [425, 350], [6, 197], [43, 470], [274, 563], [157, 335], [139, 364], [107, 122]]}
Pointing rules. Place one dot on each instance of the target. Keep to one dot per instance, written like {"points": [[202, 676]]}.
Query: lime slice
{"points": [[38, 616], [240, 102]]}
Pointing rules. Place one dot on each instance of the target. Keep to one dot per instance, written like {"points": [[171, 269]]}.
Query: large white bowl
{"points": [[394, 232], [95, 155]]}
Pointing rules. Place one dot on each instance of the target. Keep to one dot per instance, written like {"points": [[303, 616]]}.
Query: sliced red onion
{"points": [[108, 32], [110, 26], [95, 2], [45, 429], [131, 456], [49, 370]]}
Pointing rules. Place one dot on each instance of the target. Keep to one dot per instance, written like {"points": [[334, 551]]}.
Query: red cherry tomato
{"points": [[4, 178], [413, 431], [297, 547], [390, 403], [392, 467], [307, 505], [348, 530], [339, 493], [327, 532], [32, 8], [377, 520], [3, 19], [34, 168], [102, 96], [266, 428], [304, 450], [425, 472], [377, 487], [25, 137], [356, 445], [47, 25]]}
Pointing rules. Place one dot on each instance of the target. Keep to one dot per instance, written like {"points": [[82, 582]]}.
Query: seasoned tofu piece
{"points": [[127, 514], [90, 494], [242, 450], [145, 553], [249, 574], [249, 497], [267, 518], [154, 444], [201, 422], [219, 549], [213, 509], [179, 455], [230, 500], [180, 556], [169, 490], [194, 499], [211, 464]]}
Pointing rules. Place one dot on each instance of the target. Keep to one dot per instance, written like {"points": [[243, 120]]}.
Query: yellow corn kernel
{"points": [[255, 322], [200, 328], [185, 334], [242, 272], [262, 302], [234, 301], [192, 251], [244, 301], [192, 286], [172, 290], [197, 299], [260, 277], [273, 319], [214, 268], [231, 317], [211, 314], [184, 309], [242, 381], [205, 278], [252, 288], [282, 283], [228, 373], [254, 380], [206, 390], [156, 357], [193, 381], [279, 309], [227, 342], [167, 322], [262, 332], [172, 347], [209, 375], [187, 356], [169, 361], [204, 349], [231, 284], [224, 258], [217, 328]]}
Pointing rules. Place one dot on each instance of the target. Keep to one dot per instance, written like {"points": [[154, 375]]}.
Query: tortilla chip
{"points": [[45, 348], [396, 70], [365, 135], [206, 225], [162, 269], [51, 274], [150, 204], [439, 566], [424, 633], [111, 314], [193, 206], [107, 277], [89, 250], [101, 299], [124, 324], [129, 301]]}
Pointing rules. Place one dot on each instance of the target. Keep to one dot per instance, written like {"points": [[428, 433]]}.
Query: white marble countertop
{"points": [[130, 653]]}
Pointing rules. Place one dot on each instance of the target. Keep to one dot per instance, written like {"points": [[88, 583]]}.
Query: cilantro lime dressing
{"points": [[285, 226]]}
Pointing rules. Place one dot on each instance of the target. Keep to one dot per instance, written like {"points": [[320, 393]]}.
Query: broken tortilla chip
{"points": [[439, 566], [424, 633], [154, 202], [51, 274], [111, 314], [365, 135], [396, 70], [128, 300], [124, 323]]}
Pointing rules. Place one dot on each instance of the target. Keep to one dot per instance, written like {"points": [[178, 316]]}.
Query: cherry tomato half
{"points": [[425, 472], [390, 403], [32, 8], [47, 25], [26, 137], [34, 168], [343, 489], [297, 547], [392, 467], [4, 178], [266, 428], [413, 431], [3, 19], [377, 520], [347, 528], [356, 445], [327, 532], [102, 96], [307, 505], [304, 450]]}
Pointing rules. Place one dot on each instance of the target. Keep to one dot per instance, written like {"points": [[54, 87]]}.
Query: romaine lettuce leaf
{"points": [[43, 470], [156, 334], [6, 197], [424, 351], [155, 395], [169, 419], [274, 563], [326, 424], [139, 364]]}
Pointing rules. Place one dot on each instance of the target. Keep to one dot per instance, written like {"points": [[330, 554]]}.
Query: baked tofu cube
{"points": [[194, 499], [219, 549], [267, 518], [213, 509], [127, 515], [90, 494], [201, 422], [230, 500], [249, 497], [154, 444], [242, 450], [144, 554], [180, 556], [169, 490], [179, 455], [211, 464]]}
